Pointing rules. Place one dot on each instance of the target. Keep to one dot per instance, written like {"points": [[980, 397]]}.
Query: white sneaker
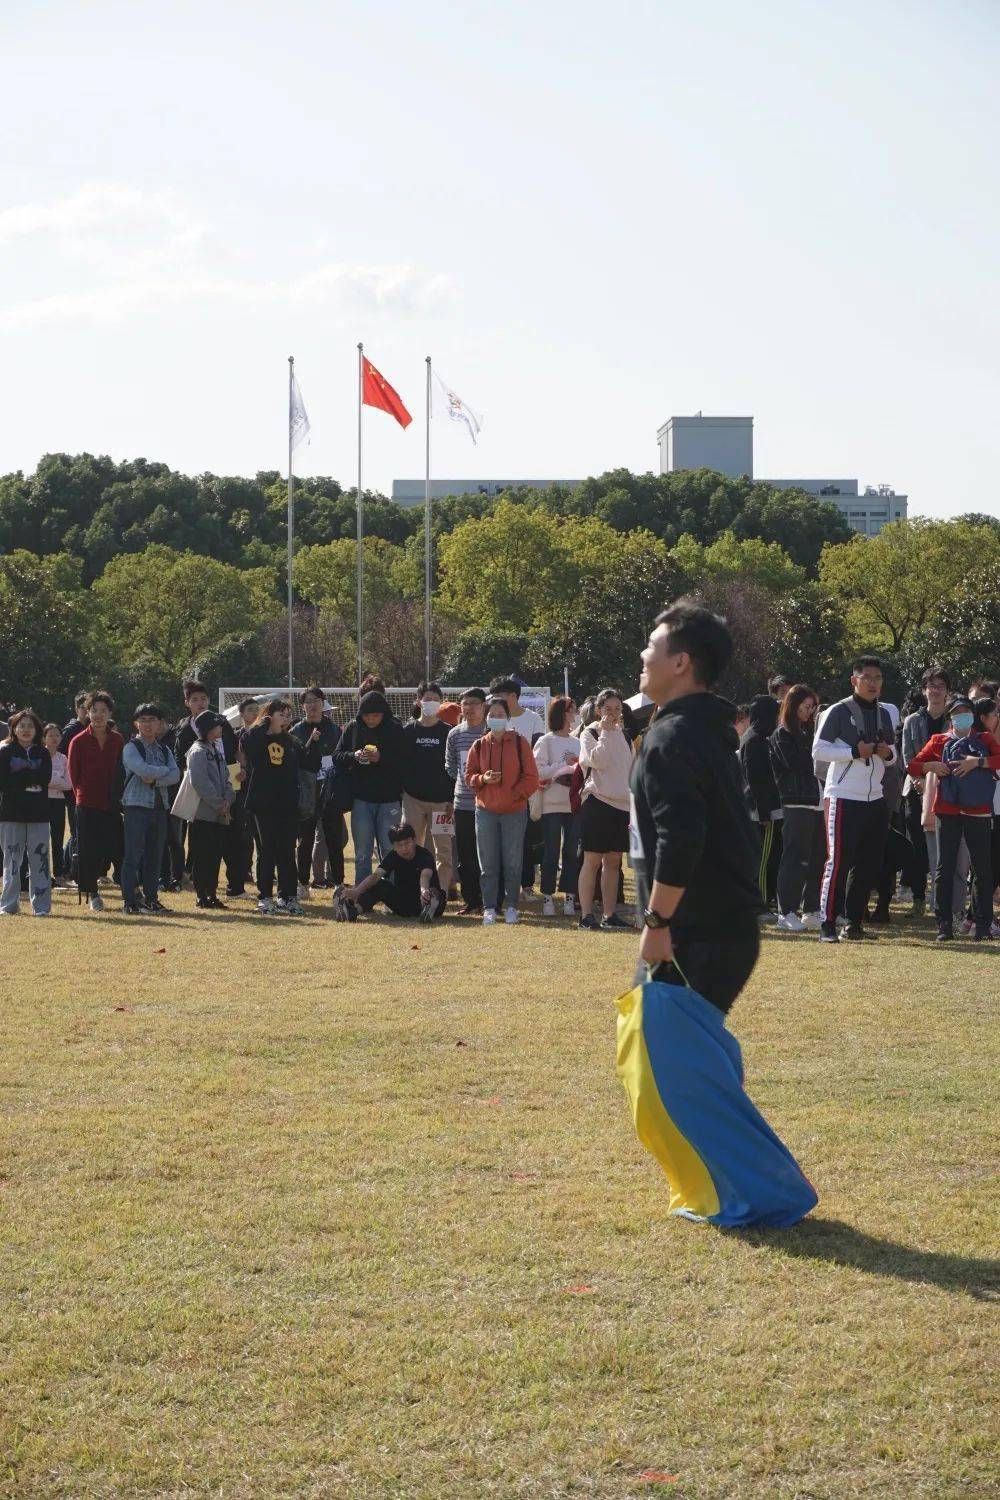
{"points": [[569, 907], [489, 917], [303, 893], [812, 921], [510, 915], [548, 907], [791, 922], [96, 904]]}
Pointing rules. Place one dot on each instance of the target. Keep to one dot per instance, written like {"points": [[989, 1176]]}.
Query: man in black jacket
{"points": [[180, 740], [699, 854]]}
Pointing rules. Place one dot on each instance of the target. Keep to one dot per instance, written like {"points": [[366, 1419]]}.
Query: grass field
{"points": [[294, 1208]]}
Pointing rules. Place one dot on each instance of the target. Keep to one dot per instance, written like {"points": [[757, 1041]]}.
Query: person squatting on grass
{"points": [[405, 880]]}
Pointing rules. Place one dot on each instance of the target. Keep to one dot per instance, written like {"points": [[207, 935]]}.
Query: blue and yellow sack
{"points": [[683, 1073]]}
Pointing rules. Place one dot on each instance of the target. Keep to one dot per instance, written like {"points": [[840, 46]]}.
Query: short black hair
{"points": [[478, 693], [703, 635], [990, 689], [246, 703], [933, 673], [194, 687], [148, 711], [401, 831], [314, 692], [429, 687], [860, 662], [80, 698], [779, 680], [506, 685], [99, 696]]}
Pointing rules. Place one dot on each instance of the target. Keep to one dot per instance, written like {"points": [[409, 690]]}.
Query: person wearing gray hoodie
{"points": [[206, 765]]}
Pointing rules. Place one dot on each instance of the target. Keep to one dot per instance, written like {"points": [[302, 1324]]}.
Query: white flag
{"points": [[298, 422], [457, 409]]}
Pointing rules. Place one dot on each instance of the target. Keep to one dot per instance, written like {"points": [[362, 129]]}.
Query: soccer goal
{"points": [[343, 701]]}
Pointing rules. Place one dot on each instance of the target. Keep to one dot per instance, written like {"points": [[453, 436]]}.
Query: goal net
{"points": [[343, 701]]}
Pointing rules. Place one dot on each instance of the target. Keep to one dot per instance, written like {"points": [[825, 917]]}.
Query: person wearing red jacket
{"points": [[501, 771], [93, 759], [964, 761]]}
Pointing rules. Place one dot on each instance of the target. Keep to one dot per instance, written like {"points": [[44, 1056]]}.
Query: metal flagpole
{"points": [[361, 517], [291, 527], [427, 534]]}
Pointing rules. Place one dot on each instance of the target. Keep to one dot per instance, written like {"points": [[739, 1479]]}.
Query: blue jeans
{"points": [[16, 840], [560, 828], [370, 824], [145, 836], [500, 840]]}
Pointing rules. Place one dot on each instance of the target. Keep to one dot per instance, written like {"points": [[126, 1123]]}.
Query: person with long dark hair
{"points": [[803, 850], [272, 758], [25, 771]]}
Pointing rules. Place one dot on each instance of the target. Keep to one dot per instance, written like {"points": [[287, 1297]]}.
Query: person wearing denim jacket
{"points": [[150, 769]]}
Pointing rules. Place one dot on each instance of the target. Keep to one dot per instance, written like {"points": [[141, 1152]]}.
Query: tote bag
{"points": [[185, 804]]}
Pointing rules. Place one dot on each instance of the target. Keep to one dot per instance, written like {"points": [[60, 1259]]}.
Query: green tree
{"points": [[892, 585], [326, 575], [505, 569], [761, 563], [45, 630], [963, 636], [172, 609]]}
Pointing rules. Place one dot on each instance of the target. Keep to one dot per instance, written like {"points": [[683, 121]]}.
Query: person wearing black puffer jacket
{"points": [[760, 791], [803, 840]]}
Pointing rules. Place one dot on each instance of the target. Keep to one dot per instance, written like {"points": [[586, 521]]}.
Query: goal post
{"points": [[343, 701]]}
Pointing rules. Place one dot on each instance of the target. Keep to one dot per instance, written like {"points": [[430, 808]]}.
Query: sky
{"points": [[591, 216]]}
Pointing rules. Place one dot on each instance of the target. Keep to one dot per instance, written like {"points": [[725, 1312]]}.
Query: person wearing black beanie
{"points": [[372, 754]]}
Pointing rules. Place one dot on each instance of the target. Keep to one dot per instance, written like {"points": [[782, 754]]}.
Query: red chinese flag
{"points": [[376, 391]]}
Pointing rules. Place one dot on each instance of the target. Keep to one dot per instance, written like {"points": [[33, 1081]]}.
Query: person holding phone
{"points": [[371, 753], [556, 756], [501, 771], [606, 756], [319, 739], [272, 799]]}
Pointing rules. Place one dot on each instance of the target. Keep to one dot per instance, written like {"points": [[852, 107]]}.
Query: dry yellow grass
{"points": [[294, 1208]]}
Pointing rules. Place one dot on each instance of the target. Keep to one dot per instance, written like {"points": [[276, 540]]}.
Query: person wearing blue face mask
{"points": [[965, 761]]}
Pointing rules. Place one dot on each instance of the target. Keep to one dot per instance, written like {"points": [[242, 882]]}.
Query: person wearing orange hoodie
{"points": [[501, 770]]}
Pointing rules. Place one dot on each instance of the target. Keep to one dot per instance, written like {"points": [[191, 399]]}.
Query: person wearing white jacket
{"points": [[854, 745], [606, 756], [556, 755]]}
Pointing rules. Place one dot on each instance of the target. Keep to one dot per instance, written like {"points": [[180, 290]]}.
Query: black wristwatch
{"points": [[654, 920]]}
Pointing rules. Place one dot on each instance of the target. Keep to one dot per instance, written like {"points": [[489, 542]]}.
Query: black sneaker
{"points": [[982, 935], [590, 924], [880, 918], [946, 935], [158, 907], [828, 933], [133, 911], [615, 923], [855, 933]]}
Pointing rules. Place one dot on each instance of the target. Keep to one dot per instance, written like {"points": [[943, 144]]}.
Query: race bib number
{"points": [[443, 824]]}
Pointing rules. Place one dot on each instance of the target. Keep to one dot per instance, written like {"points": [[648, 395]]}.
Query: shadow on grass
{"points": [[843, 1245]]}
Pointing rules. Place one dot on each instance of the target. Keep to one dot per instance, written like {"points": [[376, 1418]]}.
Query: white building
{"points": [[726, 445], [410, 492]]}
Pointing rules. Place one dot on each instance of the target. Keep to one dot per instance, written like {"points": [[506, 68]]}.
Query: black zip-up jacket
{"points": [[272, 784], [693, 823], [792, 765], [329, 739], [69, 732], [760, 791], [381, 782], [24, 783], [182, 737], [424, 774]]}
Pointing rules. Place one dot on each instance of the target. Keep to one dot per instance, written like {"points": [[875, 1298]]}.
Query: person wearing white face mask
{"points": [[428, 790], [501, 770]]}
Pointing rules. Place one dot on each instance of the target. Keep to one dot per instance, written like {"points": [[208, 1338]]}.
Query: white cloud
{"points": [[152, 253]]}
